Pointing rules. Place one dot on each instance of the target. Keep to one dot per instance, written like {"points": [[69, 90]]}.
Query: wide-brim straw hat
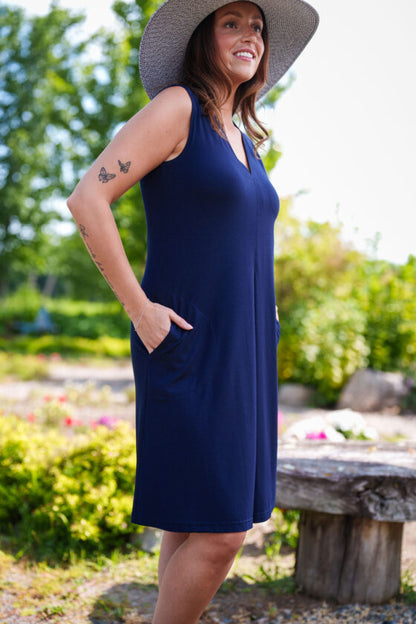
{"points": [[290, 23]]}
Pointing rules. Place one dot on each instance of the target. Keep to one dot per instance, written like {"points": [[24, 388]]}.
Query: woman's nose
{"points": [[249, 34]]}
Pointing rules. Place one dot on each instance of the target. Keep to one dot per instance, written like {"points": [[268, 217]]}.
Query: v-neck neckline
{"points": [[247, 167]]}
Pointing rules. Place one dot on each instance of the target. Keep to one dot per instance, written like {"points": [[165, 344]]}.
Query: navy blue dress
{"points": [[206, 398]]}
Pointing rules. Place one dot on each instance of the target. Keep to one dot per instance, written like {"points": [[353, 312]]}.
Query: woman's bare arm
{"points": [[155, 134]]}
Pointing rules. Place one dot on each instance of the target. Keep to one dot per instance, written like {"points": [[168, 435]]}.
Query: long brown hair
{"points": [[212, 86]]}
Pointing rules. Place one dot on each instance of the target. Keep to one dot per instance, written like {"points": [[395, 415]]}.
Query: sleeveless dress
{"points": [[206, 398]]}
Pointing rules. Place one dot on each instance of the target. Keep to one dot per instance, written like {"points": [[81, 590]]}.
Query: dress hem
{"points": [[206, 527]]}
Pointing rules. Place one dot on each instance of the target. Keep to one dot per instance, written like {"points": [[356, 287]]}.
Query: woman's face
{"points": [[238, 35]]}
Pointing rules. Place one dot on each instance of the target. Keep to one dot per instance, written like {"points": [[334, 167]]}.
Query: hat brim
{"points": [[290, 23]]}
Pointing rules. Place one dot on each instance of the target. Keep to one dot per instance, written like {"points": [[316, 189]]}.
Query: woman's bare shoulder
{"points": [[174, 101]]}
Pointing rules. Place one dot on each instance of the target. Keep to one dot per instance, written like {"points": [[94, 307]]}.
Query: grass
{"points": [[118, 588], [103, 587], [274, 578], [408, 587], [109, 589]]}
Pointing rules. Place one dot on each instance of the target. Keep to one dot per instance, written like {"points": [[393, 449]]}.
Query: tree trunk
{"points": [[348, 558]]}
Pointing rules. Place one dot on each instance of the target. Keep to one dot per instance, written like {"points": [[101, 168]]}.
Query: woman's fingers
{"points": [[155, 324], [277, 313], [179, 320]]}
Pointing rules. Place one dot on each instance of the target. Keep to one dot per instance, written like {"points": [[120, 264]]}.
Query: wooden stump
{"points": [[348, 558], [354, 499]]}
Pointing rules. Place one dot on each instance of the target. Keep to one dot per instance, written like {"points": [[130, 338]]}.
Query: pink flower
{"points": [[55, 356], [313, 435], [47, 398], [31, 417], [69, 421], [107, 421], [63, 398]]}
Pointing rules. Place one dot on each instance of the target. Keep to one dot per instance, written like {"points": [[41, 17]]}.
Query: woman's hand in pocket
{"points": [[155, 324]]}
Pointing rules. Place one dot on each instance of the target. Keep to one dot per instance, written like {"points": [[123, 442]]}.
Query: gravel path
{"points": [[120, 378]]}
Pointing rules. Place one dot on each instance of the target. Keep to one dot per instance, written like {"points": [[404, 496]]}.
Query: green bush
{"points": [[62, 498], [72, 318], [323, 345], [24, 367], [387, 294], [340, 310], [65, 345]]}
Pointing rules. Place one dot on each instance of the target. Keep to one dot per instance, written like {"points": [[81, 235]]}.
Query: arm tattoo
{"points": [[99, 264], [104, 176], [124, 167], [83, 231]]}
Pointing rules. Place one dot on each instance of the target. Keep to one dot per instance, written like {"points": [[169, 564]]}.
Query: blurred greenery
{"points": [[340, 310], [62, 498], [63, 95], [24, 367]]}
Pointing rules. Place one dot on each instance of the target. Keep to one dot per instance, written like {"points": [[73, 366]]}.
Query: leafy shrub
{"points": [[61, 498], [340, 310], [53, 412], [387, 294], [286, 532], [22, 367], [88, 394], [73, 318], [65, 345], [323, 345]]}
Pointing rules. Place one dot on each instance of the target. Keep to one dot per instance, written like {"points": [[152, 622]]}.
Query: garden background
{"points": [[63, 95]]}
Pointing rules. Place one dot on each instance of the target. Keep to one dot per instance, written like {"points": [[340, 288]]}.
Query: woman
{"points": [[204, 327]]}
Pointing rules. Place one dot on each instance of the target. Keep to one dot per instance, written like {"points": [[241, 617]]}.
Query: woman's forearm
{"points": [[98, 229]]}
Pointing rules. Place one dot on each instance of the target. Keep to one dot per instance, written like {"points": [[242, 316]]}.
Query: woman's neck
{"points": [[227, 113]]}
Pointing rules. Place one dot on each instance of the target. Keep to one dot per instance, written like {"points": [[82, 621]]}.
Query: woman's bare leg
{"points": [[171, 540], [193, 574]]}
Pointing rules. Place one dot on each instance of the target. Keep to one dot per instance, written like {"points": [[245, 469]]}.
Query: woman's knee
{"points": [[219, 547]]}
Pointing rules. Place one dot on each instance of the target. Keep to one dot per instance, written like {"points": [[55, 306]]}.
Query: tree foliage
{"points": [[34, 71], [340, 310], [62, 99]]}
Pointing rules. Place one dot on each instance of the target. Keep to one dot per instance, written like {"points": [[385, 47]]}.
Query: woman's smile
{"points": [[245, 55], [238, 36]]}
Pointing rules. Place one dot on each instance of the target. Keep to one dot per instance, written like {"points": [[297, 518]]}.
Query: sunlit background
{"points": [[345, 278], [347, 125]]}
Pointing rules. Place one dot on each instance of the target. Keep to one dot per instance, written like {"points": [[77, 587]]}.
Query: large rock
{"points": [[295, 395], [371, 391]]}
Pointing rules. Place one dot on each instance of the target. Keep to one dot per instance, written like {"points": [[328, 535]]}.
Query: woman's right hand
{"points": [[155, 324]]}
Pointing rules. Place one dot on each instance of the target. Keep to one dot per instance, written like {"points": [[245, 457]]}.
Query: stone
{"points": [[295, 395], [149, 541], [371, 391]]}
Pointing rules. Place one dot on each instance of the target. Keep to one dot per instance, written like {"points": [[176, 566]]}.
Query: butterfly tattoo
{"points": [[124, 167], [105, 177]]}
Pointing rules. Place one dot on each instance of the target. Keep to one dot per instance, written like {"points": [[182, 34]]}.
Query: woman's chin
{"points": [[241, 77]]}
